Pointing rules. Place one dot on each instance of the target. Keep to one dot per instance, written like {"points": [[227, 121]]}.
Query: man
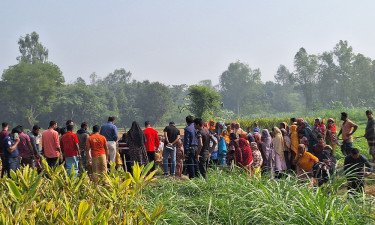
{"points": [[69, 122], [318, 148], [171, 137], [25, 149], [354, 168], [204, 150], [109, 131], [152, 142], [98, 149], [33, 134], [370, 133], [51, 145], [82, 135], [11, 154], [69, 145], [3, 134], [191, 148], [347, 130]]}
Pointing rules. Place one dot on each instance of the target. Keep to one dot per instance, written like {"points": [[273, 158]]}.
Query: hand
{"points": [[198, 158], [61, 158], [367, 174]]}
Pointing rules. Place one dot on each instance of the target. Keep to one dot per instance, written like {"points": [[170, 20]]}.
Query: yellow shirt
{"points": [[307, 161]]}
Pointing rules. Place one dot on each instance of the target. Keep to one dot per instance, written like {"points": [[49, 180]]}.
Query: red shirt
{"points": [[50, 143], [69, 143], [152, 139]]}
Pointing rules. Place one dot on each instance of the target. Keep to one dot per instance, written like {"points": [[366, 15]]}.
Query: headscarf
{"points": [[332, 128], [243, 153], [136, 135], [278, 143], [257, 156], [307, 125], [285, 124], [299, 123], [218, 130], [294, 138], [321, 126], [266, 140], [287, 141], [301, 149], [206, 125], [250, 138]]}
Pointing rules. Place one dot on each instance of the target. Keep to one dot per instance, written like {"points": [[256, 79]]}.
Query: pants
{"points": [[3, 166], [112, 151], [192, 163], [27, 161], [203, 164], [99, 166], [172, 153], [12, 164], [70, 162], [346, 147], [151, 158], [53, 162], [356, 185]]}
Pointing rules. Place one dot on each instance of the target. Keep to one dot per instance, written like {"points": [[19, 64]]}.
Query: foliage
{"points": [[32, 51], [30, 198], [204, 101]]}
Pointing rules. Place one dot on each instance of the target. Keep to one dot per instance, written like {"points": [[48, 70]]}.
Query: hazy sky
{"points": [[179, 41]]}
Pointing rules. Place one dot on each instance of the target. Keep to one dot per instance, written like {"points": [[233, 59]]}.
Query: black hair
{"points": [[111, 119], [319, 136], [282, 124], [17, 129], [68, 122], [293, 119], [36, 127], [189, 120], [4, 124], [84, 124], [354, 151], [171, 123], [344, 114], [147, 123], [232, 136], [95, 129], [69, 128], [198, 121], [20, 127], [52, 123], [368, 112], [301, 132]]}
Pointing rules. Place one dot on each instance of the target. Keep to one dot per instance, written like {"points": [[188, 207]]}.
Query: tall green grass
{"points": [[233, 198]]}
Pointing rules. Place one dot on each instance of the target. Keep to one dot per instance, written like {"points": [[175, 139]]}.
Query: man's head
{"points": [[232, 136], [95, 129], [171, 123], [293, 120], [21, 128], [354, 153], [212, 123], [5, 126], [36, 129], [320, 139], [52, 125], [369, 114], [111, 119], [198, 123], [344, 116], [189, 120], [70, 128], [248, 129], [69, 122], [84, 126], [17, 129], [147, 124]]}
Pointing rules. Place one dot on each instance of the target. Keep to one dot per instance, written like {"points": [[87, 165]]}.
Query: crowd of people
{"points": [[297, 148]]}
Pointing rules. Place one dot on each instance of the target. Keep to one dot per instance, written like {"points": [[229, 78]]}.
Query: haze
{"points": [[177, 42]]}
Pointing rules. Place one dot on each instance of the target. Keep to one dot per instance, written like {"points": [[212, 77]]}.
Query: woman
{"points": [[305, 127], [222, 139], [257, 160], [258, 140], [179, 158], [305, 161], [233, 144], [136, 142], [293, 145], [278, 146], [331, 135], [287, 144], [319, 127], [268, 153], [243, 155]]}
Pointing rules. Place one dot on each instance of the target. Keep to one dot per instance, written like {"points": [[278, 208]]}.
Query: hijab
{"points": [[218, 130], [299, 123], [294, 138], [136, 135], [243, 154], [251, 138], [278, 143], [332, 128], [266, 140]]}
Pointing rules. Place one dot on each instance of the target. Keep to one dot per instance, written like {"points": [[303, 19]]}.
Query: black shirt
{"points": [[354, 167], [205, 135], [172, 133]]}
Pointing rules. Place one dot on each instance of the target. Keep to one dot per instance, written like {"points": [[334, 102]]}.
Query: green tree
{"points": [[204, 102], [32, 87], [32, 51], [306, 75], [235, 84], [283, 76]]}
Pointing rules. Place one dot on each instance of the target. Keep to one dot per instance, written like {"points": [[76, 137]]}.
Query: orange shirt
{"points": [[347, 128], [307, 161], [96, 143], [50, 143]]}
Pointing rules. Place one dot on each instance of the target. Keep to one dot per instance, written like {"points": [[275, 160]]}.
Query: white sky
{"points": [[179, 41]]}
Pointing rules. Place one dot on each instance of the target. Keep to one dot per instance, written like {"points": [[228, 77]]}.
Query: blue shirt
{"points": [[190, 137], [8, 142], [109, 131]]}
